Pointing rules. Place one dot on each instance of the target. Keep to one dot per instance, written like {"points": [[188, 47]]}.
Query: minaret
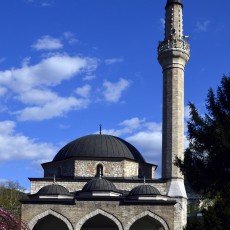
{"points": [[173, 54]]}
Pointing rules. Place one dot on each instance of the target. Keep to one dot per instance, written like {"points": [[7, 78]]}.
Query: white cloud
{"points": [[186, 112], [15, 146], [149, 143], [37, 96], [113, 91], [47, 104], [55, 107], [25, 62], [40, 3], [45, 4], [202, 26], [31, 85], [132, 123], [47, 43], [113, 61], [70, 37], [3, 91], [89, 77], [50, 71], [145, 136], [162, 21], [83, 91], [127, 126], [2, 59]]}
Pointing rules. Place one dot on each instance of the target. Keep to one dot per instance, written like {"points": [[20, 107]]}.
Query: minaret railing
{"points": [[171, 44]]}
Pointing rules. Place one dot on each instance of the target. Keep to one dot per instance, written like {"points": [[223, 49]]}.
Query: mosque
{"points": [[103, 182]]}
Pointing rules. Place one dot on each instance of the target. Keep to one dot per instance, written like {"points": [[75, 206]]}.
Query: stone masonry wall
{"points": [[73, 186], [121, 214], [130, 169], [88, 168]]}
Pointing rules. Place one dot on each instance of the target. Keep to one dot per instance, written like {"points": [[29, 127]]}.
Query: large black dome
{"points": [[99, 146]]}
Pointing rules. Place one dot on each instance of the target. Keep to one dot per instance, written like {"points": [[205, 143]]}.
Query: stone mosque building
{"points": [[103, 182]]}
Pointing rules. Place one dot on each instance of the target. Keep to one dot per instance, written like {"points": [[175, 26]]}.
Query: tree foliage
{"points": [[206, 164], [10, 194], [10, 207]]}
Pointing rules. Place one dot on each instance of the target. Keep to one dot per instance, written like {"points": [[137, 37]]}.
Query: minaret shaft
{"points": [[173, 125]]}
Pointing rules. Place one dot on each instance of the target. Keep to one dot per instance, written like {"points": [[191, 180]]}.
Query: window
{"points": [[99, 170]]}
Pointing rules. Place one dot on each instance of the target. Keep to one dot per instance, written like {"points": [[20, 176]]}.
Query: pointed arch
{"points": [[94, 213], [147, 213], [33, 222]]}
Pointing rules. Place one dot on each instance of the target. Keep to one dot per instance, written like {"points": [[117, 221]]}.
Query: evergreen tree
{"points": [[206, 164]]}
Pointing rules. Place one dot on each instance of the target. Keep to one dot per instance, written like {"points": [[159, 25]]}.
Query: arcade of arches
{"points": [[98, 222]]}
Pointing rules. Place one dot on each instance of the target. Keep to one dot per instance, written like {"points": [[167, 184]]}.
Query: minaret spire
{"points": [[173, 19], [173, 54]]}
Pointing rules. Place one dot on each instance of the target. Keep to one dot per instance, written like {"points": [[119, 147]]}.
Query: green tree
{"points": [[10, 194], [206, 164]]}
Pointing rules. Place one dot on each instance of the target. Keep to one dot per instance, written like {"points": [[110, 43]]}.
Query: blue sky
{"points": [[67, 66]]}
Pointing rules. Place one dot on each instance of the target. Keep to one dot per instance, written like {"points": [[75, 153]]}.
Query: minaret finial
{"points": [[174, 2], [100, 128]]}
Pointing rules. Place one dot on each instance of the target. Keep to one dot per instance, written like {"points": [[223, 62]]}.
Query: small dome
{"points": [[144, 190], [99, 184], [53, 189], [99, 146]]}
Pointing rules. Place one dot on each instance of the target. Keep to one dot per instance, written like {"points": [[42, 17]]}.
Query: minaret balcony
{"points": [[174, 44]]}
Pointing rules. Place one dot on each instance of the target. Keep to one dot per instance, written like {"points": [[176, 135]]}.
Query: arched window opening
{"points": [[50, 222], [146, 223], [100, 222], [99, 172]]}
